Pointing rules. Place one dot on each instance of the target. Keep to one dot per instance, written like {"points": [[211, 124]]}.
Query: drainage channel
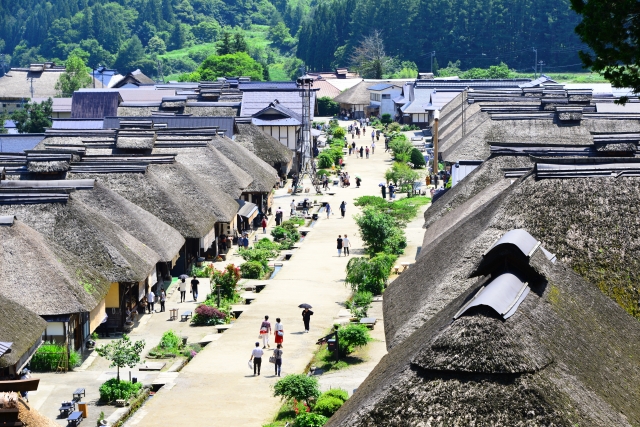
{"points": [[276, 269]]}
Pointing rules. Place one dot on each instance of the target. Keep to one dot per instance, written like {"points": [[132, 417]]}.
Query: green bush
{"points": [[49, 355], [351, 337], [327, 406], [380, 232], [362, 298], [309, 419], [386, 118], [113, 389], [293, 222], [323, 172], [252, 270], [339, 133], [417, 158], [337, 393], [369, 274], [258, 255], [265, 243], [327, 106], [170, 341], [325, 159], [279, 233], [297, 386]]}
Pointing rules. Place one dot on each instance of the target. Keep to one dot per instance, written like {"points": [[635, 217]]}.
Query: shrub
{"points": [[207, 315], [327, 106], [362, 298], [369, 275], [327, 405], [323, 172], [351, 337], [279, 233], [309, 419], [170, 341], [48, 356], [374, 201], [298, 387], [258, 255], [227, 279], [114, 389], [265, 243], [393, 127], [252, 270], [417, 158], [325, 159], [337, 393], [339, 133], [386, 118], [380, 232]]}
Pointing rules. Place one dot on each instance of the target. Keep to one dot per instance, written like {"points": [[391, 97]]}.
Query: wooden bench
{"points": [[75, 418], [78, 394], [185, 316], [222, 328], [369, 322], [173, 314]]}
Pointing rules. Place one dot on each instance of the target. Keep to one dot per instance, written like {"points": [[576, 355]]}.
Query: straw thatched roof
{"points": [[48, 166], [136, 111], [264, 146], [356, 95], [556, 361], [264, 175], [208, 111], [21, 327], [210, 164], [160, 237], [43, 276], [81, 229], [17, 83]]}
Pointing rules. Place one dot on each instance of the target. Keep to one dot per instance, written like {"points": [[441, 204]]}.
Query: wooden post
{"points": [[436, 119]]}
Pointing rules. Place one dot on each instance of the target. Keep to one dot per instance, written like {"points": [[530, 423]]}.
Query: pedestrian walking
{"points": [[346, 244], [306, 318], [373, 136], [183, 290], [358, 132], [264, 225], [361, 151], [339, 245], [373, 148], [277, 354], [265, 331], [349, 149], [278, 332], [325, 182], [163, 298], [353, 134], [151, 299], [358, 181], [343, 206], [256, 356], [328, 208], [194, 288], [293, 207], [378, 135], [305, 206], [353, 145], [366, 150], [245, 241], [279, 216], [392, 190]]}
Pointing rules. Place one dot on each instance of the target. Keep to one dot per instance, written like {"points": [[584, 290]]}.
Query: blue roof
{"points": [[18, 143], [381, 86], [267, 85]]}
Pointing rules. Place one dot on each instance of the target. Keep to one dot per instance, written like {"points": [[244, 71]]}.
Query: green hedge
{"points": [[113, 389], [252, 270], [49, 355]]}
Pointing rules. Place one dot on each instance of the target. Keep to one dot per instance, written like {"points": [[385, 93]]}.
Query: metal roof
{"points": [[255, 101], [76, 124], [225, 124], [504, 294], [5, 347], [381, 86], [520, 238], [6, 220], [471, 83], [267, 85], [247, 209], [12, 143]]}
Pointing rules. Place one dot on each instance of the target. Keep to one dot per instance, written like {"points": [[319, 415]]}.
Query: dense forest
{"points": [[165, 37]]}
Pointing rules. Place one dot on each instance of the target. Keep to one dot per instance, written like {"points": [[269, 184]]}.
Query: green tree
{"points": [[122, 353], [369, 274], [206, 31], [75, 77], [235, 64], [129, 55], [352, 337], [280, 36], [239, 43], [156, 45], [417, 159], [225, 46], [401, 148], [403, 176], [297, 386], [327, 106], [380, 232], [33, 117], [612, 30]]}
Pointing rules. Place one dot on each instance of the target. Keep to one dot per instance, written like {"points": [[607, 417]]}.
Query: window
{"points": [[386, 96], [18, 105], [374, 97]]}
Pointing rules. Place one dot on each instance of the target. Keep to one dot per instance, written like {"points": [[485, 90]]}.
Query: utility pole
{"points": [[436, 119], [535, 65], [541, 63], [433, 53], [31, 79]]}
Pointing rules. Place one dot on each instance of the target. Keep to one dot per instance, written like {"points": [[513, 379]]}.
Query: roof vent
{"points": [[7, 220], [504, 294]]}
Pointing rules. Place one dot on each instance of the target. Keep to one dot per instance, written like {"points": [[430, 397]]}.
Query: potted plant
{"points": [[101, 420]]}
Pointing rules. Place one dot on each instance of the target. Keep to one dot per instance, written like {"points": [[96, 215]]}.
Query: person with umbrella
{"points": [[306, 315], [183, 287]]}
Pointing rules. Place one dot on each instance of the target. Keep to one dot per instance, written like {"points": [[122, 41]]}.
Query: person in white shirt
{"points": [[183, 290], [346, 244], [151, 298], [256, 356], [278, 331], [293, 207]]}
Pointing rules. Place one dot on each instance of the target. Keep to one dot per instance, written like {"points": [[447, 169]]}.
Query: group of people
{"points": [[343, 245], [362, 152], [392, 190], [278, 333]]}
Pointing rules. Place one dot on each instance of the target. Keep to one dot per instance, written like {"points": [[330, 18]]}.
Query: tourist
{"points": [[305, 206], [278, 332], [151, 299], [265, 331], [306, 318], [328, 208], [378, 135], [277, 354], [366, 150], [358, 132], [392, 190], [245, 241], [325, 182], [361, 151], [358, 181], [183, 290], [346, 244], [263, 224], [163, 298], [353, 145], [256, 356], [194, 288], [383, 188], [279, 216], [373, 148], [373, 136], [339, 245], [343, 206], [293, 207]]}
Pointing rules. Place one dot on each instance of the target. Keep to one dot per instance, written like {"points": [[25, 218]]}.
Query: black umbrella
{"points": [[183, 276], [305, 305]]}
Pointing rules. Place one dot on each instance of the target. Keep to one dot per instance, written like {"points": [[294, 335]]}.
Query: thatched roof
{"points": [[93, 238], [556, 361], [264, 146], [43, 276], [21, 327], [211, 165], [137, 111], [17, 83], [208, 111], [160, 237], [135, 140], [47, 166], [178, 203], [264, 175], [356, 95]]}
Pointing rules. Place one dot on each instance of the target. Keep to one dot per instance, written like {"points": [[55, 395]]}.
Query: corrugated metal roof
{"points": [[76, 124], [267, 85], [255, 101], [225, 124], [504, 294], [471, 83], [6, 220], [381, 86], [10, 143]]}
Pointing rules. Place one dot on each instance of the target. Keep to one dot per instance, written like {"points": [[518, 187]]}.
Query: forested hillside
{"points": [[479, 33], [170, 37]]}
